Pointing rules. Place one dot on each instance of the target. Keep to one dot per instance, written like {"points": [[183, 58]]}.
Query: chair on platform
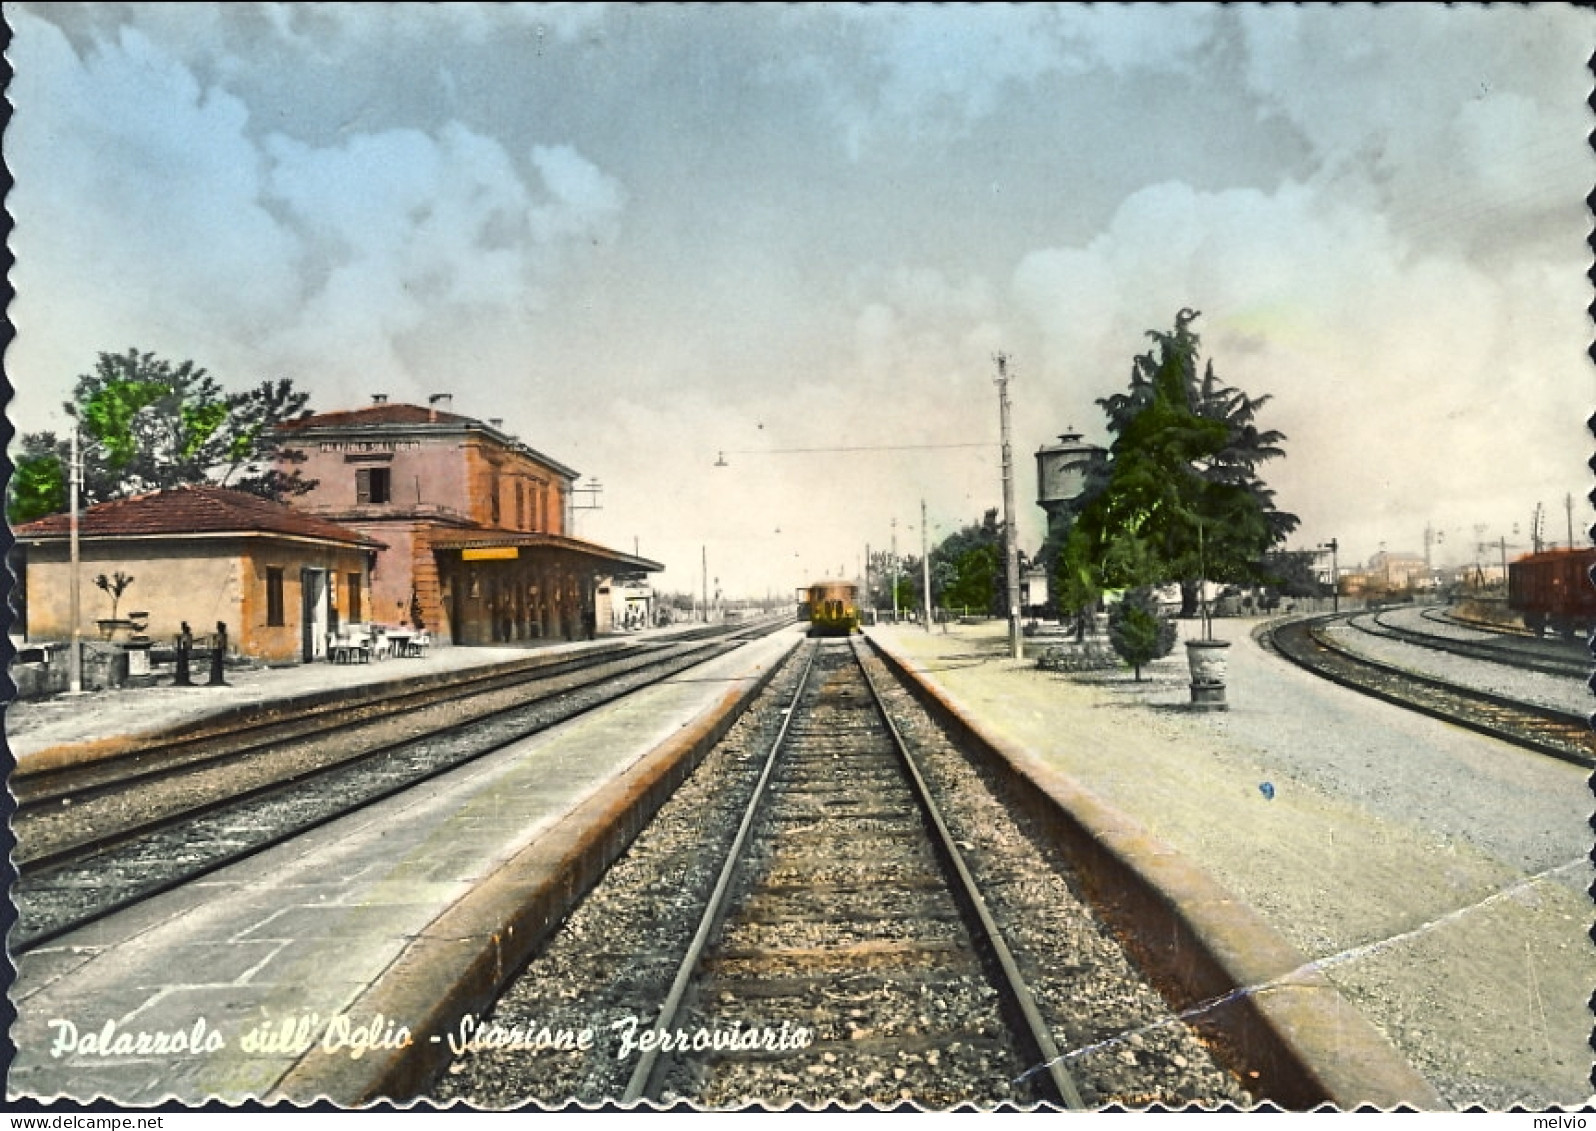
{"points": [[351, 644], [418, 644]]}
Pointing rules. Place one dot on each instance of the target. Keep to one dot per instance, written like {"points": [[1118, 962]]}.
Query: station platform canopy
{"points": [[500, 545]]}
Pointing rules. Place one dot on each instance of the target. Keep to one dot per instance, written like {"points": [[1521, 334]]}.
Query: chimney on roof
{"points": [[439, 401], [379, 398], [497, 422]]}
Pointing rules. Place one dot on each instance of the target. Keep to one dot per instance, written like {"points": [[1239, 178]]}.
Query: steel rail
{"points": [[170, 754], [641, 1081], [1505, 654], [171, 758], [1279, 637], [1034, 1029], [23, 939]]}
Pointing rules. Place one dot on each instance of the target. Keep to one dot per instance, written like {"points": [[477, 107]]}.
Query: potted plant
{"points": [[114, 586]]}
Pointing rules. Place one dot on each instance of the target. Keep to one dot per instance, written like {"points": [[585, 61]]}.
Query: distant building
{"points": [[475, 522], [1398, 571], [1033, 591], [278, 578]]}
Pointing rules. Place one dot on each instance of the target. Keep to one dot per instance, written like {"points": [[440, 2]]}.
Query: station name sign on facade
{"points": [[359, 446], [491, 554]]}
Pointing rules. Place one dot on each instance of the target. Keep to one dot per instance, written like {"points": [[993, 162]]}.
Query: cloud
{"points": [[1326, 307], [124, 123], [938, 70], [433, 248]]}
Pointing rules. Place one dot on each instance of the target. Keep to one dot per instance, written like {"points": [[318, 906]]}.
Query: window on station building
{"points": [[493, 501], [274, 597], [520, 505], [353, 604], [373, 485]]}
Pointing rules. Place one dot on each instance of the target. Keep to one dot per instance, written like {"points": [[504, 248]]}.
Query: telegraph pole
{"points": [[894, 569], [75, 660], [704, 579], [1010, 549], [925, 567]]}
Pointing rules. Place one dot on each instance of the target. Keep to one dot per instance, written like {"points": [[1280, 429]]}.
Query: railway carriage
{"points": [[1553, 589], [831, 608]]}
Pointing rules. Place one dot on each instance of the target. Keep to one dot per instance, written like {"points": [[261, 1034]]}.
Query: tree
{"points": [[1295, 573], [148, 425], [38, 478], [1138, 632], [1075, 583], [966, 564], [1181, 500]]}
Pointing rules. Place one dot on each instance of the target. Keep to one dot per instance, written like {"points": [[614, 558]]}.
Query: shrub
{"points": [[1137, 631]]}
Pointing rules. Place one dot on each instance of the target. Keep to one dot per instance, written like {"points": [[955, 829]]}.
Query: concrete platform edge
{"points": [[1254, 995], [462, 961]]}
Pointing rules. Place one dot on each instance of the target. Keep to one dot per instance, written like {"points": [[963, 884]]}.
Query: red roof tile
{"points": [[191, 510], [378, 414]]}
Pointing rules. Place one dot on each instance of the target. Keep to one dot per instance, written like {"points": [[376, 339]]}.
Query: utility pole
{"points": [[75, 660], [894, 569], [1010, 549], [868, 594], [925, 567], [704, 579]]}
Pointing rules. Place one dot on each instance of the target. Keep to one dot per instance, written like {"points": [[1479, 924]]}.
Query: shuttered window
{"points": [[274, 597], [372, 485]]}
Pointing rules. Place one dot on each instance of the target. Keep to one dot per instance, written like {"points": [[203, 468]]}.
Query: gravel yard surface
{"points": [[1484, 675], [1437, 876]]}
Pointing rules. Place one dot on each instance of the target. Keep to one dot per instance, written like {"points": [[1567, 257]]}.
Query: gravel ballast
{"points": [[1437, 876]]}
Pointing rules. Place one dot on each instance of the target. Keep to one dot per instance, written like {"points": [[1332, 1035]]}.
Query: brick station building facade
{"points": [[475, 522], [279, 578]]}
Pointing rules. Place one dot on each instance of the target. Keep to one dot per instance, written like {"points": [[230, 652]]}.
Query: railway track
{"points": [[851, 876], [120, 840], [1547, 730], [1524, 653], [237, 737], [818, 931]]}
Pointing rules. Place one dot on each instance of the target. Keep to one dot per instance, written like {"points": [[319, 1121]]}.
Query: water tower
{"points": [[1061, 472]]}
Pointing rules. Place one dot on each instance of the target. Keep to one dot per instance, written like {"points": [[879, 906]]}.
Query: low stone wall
{"points": [[1089, 655], [45, 669]]}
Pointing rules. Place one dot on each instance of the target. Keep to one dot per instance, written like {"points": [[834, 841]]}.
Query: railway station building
{"points": [[278, 578], [475, 524]]}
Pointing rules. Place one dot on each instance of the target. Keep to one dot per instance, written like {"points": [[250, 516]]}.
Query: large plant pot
{"points": [[1207, 661]]}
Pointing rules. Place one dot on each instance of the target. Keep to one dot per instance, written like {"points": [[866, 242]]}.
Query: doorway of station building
{"points": [[315, 614]]}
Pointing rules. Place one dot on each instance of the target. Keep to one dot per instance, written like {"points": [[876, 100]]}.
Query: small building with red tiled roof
{"points": [[279, 579], [476, 522]]}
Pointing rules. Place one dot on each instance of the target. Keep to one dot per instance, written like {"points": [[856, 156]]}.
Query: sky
{"points": [[792, 240]]}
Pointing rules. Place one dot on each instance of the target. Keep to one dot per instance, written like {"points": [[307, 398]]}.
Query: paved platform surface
{"points": [[235, 963], [1438, 877]]}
